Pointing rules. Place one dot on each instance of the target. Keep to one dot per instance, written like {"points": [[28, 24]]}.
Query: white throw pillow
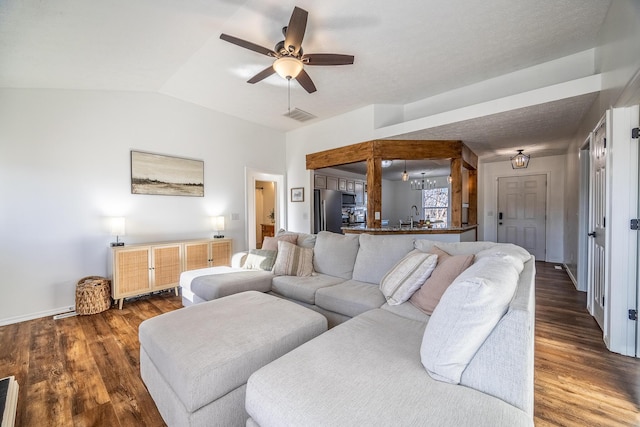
{"points": [[407, 276], [465, 316]]}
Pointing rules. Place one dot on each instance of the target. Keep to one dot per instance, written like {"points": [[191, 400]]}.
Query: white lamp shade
{"points": [[117, 226], [217, 223], [287, 67]]}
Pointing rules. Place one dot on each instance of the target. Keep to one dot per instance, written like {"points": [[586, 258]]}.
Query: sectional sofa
{"points": [[468, 360]]}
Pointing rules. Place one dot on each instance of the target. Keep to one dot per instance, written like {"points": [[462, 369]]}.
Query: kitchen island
{"points": [[466, 233]]}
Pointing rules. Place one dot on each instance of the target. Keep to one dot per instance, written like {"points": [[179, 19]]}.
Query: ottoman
{"points": [[196, 361]]}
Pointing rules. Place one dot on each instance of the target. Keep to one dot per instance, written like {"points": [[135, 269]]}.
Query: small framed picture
{"points": [[297, 194]]}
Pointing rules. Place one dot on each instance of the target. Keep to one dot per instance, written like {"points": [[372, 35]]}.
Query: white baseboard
{"points": [[571, 276], [38, 315]]}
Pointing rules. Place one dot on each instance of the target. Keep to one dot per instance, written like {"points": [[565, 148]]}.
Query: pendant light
{"points": [[520, 160], [405, 175]]}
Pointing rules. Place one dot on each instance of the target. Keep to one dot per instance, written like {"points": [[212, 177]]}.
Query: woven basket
{"points": [[93, 295]]}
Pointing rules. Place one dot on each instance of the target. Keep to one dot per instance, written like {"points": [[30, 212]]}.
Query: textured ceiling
{"points": [[404, 51], [543, 130]]}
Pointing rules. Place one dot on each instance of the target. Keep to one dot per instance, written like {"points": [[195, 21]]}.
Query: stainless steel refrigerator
{"points": [[327, 211]]}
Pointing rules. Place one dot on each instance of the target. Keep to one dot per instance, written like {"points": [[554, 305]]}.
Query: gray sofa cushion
{"points": [[350, 298], [207, 350], [215, 286], [367, 372], [334, 254], [302, 288], [378, 254], [453, 248], [408, 310]]}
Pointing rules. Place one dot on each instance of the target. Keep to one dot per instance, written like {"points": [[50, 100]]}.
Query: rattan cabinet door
{"points": [[166, 266], [131, 272], [196, 255], [221, 253]]}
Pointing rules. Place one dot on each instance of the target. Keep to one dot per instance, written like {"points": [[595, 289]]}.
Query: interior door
{"points": [[638, 252], [522, 211], [597, 223]]}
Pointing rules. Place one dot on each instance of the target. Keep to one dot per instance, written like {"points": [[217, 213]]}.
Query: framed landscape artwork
{"points": [[297, 194], [166, 175]]}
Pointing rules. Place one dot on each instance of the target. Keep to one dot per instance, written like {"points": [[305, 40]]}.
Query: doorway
{"points": [[597, 223], [265, 194], [583, 218], [252, 177], [522, 212]]}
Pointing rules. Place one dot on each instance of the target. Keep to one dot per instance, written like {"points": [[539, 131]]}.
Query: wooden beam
{"points": [[416, 149], [469, 158], [340, 156], [456, 192], [374, 191], [473, 197]]}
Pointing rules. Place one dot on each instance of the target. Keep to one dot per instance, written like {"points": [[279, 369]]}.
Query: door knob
{"points": [[592, 234]]}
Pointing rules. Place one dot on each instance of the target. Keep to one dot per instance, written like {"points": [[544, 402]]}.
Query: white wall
{"points": [[618, 59], [65, 168], [349, 128], [618, 54], [553, 167]]}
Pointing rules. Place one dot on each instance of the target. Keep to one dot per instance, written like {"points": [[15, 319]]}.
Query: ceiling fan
{"points": [[290, 58]]}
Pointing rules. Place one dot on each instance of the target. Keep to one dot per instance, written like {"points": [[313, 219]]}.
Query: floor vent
{"points": [[299, 115]]}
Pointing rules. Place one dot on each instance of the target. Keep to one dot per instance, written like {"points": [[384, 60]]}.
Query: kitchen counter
{"points": [[466, 233]]}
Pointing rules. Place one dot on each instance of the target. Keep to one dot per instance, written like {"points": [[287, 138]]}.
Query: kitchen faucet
{"points": [[412, 209]]}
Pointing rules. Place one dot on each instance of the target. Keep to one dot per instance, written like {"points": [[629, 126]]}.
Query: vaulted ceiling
{"points": [[406, 53]]}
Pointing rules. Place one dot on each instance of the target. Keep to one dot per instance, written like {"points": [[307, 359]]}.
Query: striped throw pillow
{"points": [[407, 276], [293, 260]]}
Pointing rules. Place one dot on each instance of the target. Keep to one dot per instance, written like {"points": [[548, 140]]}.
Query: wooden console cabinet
{"points": [[145, 268]]}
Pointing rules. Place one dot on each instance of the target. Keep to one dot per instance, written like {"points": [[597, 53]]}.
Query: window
{"points": [[435, 204]]}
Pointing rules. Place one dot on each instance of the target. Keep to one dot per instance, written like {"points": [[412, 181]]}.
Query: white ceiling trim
{"points": [[531, 98]]}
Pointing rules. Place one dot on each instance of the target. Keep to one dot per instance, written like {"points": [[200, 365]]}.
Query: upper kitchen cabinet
{"points": [[358, 188]]}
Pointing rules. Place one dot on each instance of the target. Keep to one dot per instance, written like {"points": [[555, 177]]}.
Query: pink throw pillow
{"points": [[271, 243], [449, 267]]}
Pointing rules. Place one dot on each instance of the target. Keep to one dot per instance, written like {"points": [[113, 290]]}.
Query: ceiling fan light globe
{"points": [[287, 67]]}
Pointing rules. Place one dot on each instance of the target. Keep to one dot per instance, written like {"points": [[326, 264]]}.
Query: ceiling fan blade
{"points": [[327, 59], [248, 45], [295, 30], [306, 82], [262, 75]]}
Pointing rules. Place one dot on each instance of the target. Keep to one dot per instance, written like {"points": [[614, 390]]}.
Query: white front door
{"points": [[597, 223], [522, 211]]}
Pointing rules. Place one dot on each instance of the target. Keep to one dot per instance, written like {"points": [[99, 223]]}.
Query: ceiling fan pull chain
{"points": [[289, 94]]}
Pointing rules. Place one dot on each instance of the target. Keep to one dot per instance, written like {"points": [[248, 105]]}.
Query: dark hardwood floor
{"points": [[84, 371]]}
